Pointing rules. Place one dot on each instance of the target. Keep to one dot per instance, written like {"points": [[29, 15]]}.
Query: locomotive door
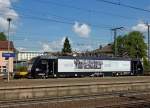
{"points": [[137, 67], [52, 67]]}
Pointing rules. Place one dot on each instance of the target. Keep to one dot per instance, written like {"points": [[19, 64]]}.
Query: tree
{"points": [[66, 47], [146, 65], [132, 45], [100, 46], [2, 36], [121, 49], [135, 45]]}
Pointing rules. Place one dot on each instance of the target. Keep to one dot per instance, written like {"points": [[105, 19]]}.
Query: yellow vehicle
{"points": [[23, 74]]}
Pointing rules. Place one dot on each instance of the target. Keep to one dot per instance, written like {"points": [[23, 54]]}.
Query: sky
{"points": [[43, 25]]}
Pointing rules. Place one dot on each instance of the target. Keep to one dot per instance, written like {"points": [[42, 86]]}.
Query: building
{"points": [[104, 51], [4, 66], [27, 55]]}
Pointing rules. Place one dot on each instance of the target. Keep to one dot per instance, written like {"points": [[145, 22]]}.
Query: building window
{"points": [[4, 70], [6, 58], [4, 66]]}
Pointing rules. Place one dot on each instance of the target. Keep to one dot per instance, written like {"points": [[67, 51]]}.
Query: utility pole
{"points": [[115, 37], [148, 41], [9, 20]]}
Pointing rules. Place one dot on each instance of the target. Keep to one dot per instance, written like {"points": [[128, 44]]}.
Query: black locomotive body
{"points": [[47, 66]]}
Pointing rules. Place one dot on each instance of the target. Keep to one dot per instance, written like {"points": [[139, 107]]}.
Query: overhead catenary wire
{"points": [[61, 22], [29, 39], [78, 8], [65, 21], [69, 6], [87, 10], [124, 5], [58, 21]]}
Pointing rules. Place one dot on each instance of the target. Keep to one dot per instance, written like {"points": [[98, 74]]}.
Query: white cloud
{"points": [[57, 45], [6, 11], [25, 39], [83, 30], [22, 49], [3, 24], [83, 47], [140, 27], [54, 45], [46, 47]]}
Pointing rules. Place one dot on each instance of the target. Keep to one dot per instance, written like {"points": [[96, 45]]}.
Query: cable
{"points": [[68, 21], [86, 10], [124, 5], [58, 21], [20, 37], [39, 18], [53, 20]]}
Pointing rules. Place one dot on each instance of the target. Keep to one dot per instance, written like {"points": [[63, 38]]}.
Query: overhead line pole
{"points": [[8, 68], [115, 37], [148, 42]]}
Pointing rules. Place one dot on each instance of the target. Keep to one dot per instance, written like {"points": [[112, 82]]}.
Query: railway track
{"points": [[105, 80], [107, 100], [74, 84], [111, 98], [133, 104]]}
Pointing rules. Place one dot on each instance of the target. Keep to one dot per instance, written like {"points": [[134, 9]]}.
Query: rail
{"points": [[73, 85], [104, 96]]}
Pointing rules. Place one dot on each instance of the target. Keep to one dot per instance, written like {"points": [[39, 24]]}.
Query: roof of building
{"points": [[30, 52], [105, 49], [4, 45]]}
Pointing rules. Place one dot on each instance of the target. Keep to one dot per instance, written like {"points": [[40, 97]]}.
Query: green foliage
{"points": [[121, 48], [131, 45], [21, 68], [67, 47], [146, 65], [2, 36], [135, 45]]}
